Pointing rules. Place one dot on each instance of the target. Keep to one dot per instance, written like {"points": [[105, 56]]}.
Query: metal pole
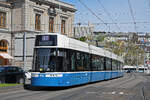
{"points": [[24, 51], [144, 61], [145, 51], [137, 65], [24, 54]]}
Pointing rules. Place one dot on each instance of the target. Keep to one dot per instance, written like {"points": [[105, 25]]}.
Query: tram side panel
{"points": [[46, 79], [60, 79], [97, 76], [75, 78]]}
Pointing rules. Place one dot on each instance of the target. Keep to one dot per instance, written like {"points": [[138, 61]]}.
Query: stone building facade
{"points": [[33, 17], [5, 34], [83, 30]]}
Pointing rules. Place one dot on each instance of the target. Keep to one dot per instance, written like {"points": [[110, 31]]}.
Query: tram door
{"points": [[62, 63]]}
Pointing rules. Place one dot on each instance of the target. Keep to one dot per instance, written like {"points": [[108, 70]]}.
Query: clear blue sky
{"points": [[119, 12]]}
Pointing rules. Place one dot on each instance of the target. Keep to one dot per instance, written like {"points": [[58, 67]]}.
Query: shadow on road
{"points": [[31, 88]]}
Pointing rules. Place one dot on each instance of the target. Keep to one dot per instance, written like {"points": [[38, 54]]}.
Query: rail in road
{"points": [[132, 86]]}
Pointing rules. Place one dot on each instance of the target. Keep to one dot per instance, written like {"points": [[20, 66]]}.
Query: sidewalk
{"points": [[11, 88]]}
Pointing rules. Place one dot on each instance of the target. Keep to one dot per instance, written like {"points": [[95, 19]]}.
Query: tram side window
{"points": [[104, 63], [101, 60], [82, 61], [94, 67], [117, 65], [113, 65], [108, 64], [97, 63], [62, 61], [52, 61], [120, 65], [86, 62], [72, 60], [79, 62]]}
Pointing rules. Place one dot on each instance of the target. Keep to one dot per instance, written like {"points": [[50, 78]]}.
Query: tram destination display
{"points": [[46, 40]]}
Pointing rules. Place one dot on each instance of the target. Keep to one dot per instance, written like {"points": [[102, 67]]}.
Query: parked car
{"points": [[11, 74], [2, 75]]}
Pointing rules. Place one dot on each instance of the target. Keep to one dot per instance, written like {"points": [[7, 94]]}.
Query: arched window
{"points": [[3, 46]]}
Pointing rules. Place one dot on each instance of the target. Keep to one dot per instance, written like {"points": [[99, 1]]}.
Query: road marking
{"points": [[90, 92], [121, 93], [114, 93]]}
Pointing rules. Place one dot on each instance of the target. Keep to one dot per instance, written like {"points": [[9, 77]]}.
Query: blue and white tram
{"points": [[60, 61]]}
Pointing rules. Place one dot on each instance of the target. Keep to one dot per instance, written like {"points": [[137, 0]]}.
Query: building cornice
{"points": [[57, 3]]}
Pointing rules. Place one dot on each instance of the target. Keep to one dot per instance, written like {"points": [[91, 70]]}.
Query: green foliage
{"points": [[100, 38], [132, 53], [83, 39], [5, 85]]}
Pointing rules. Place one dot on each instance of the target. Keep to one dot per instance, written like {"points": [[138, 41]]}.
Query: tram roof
{"points": [[70, 43]]}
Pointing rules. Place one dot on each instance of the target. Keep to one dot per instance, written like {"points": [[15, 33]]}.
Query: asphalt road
{"points": [[130, 87]]}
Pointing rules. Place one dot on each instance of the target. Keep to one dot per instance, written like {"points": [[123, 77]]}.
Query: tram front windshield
{"points": [[49, 60]]}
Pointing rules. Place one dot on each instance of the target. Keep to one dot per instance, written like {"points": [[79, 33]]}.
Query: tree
{"points": [[131, 53], [83, 39]]}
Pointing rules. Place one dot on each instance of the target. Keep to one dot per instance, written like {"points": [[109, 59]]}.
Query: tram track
{"points": [[109, 82], [105, 89], [134, 80], [144, 87], [95, 88], [120, 81]]}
